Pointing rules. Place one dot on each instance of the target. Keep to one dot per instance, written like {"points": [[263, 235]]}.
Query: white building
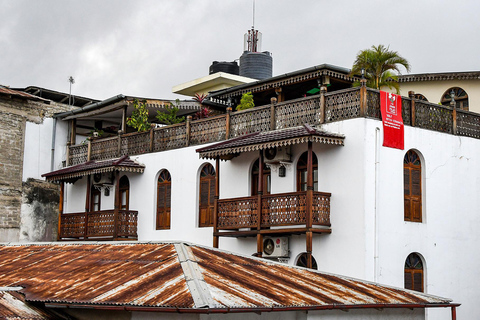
{"points": [[400, 217]]}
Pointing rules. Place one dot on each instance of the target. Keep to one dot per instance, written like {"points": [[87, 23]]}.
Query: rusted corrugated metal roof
{"points": [[180, 276], [12, 307], [123, 164], [270, 139]]}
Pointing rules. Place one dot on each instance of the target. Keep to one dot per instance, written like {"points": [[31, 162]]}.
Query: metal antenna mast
{"points": [[72, 81], [253, 23]]}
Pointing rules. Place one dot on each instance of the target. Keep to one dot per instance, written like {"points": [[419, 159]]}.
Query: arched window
{"points": [[302, 172], [412, 187], [414, 272], [302, 261], [207, 195], [420, 97], [124, 193], [164, 193], [266, 178], [95, 196], [461, 98]]}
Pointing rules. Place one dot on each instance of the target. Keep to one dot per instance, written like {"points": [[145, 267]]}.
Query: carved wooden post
{"points": [[411, 94], [259, 206], [280, 94], [117, 204], [89, 148], [453, 104], [60, 209], [273, 121], [73, 131], [323, 91], [87, 206], [151, 137], [227, 123], [119, 143], [68, 154], [363, 97], [187, 130], [215, 203], [309, 204]]}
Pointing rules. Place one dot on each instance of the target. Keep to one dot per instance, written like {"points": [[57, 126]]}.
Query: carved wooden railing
{"points": [[285, 209], [323, 108], [98, 225]]}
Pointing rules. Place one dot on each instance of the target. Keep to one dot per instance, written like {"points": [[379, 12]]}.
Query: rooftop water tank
{"points": [[256, 65], [224, 66]]}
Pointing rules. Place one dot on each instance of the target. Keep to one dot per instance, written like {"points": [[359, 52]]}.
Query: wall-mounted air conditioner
{"points": [[103, 178], [278, 154], [275, 247]]}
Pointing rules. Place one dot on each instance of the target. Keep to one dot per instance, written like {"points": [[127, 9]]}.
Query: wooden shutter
{"points": [[206, 196], [163, 205], [412, 186]]}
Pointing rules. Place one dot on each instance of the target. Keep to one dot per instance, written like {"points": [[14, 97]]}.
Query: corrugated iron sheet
{"points": [[12, 307], [176, 275]]}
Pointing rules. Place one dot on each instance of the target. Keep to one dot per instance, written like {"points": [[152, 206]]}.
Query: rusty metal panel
{"points": [[134, 274], [183, 276]]}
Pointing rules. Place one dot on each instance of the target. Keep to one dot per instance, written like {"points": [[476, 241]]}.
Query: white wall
{"points": [[370, 239]]}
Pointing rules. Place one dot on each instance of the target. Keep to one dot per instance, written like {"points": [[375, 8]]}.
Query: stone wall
{"points": [[14, 113]]}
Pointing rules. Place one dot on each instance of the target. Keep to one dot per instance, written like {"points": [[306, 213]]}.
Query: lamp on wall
{"points": [[282, 171]]}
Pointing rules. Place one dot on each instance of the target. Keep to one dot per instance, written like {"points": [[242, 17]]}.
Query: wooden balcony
{"points": [[98, 225], [277, 214], [314, 110]]}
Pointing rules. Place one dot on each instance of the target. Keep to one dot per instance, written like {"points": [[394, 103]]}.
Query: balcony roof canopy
{"points": [[71, 174], [264, 140]]}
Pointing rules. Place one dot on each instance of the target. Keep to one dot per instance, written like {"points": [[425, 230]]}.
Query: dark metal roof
{"points": [[124, 164], [270, 139], [182, 277], [471, 75], [60, 97], [19, 94]]}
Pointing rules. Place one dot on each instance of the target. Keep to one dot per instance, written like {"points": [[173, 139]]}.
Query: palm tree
{"points": [[381, 67]]}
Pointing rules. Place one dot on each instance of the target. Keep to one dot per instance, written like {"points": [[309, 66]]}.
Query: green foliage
{"points": [[169, 116], [246, 102], [381, 67], [139, 118]]}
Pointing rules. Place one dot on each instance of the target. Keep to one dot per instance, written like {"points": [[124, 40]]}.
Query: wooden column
{"points": [[411, 94], [89, 148], [454, 115], [87, 205], [273, 122], [215, 203], [227, 123], [363, 97], [117, 204], [123, 125], [323, 91], [309, 204], [187, 130], [280, 94], [151, 136], [60, 209], [73, 131], [259, 206]]}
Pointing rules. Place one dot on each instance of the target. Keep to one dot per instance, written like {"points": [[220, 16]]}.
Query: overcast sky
{"points": [[145, 47]]}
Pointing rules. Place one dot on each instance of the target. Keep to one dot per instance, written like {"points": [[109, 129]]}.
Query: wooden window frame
{"points": [[412, 187], [414, 273], [124, 188], [461, 98], [267, 178], [93, 192], [206, 197], [164, 196], [302, 168]]}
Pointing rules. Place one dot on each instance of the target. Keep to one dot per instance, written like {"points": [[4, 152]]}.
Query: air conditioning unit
{"points": [[103, 178], [278, 154], [275, 247]]}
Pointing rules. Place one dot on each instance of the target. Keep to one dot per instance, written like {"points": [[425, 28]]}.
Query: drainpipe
{"points": [[375, 252], [52, 163]]}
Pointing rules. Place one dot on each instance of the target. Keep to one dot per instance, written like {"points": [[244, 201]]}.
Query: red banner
{"points": [[391, 108]]}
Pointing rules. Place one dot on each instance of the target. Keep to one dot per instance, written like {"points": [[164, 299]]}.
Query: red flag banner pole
{"points": [[391, 108]]}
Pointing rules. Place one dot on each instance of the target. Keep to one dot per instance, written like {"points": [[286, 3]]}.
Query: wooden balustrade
{"points": [[98, 225], [326, 107], [276, 210]]}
